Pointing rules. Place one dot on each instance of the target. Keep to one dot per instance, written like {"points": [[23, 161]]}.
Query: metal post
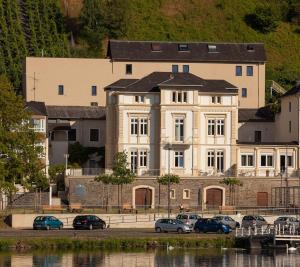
{"points": [[169, 148]]}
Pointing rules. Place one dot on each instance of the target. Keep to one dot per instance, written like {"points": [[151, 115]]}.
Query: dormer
{"points": [[183, 47], [212, 48]]}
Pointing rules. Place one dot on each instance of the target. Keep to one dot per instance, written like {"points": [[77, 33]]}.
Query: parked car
{"points": [[47, 222], [211, 225], [88, 222], [172, 225], [287, 222], [227, 220], [253, 220], [188, 218]]}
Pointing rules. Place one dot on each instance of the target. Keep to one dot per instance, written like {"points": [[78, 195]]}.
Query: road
{"points": [[98, 234]]}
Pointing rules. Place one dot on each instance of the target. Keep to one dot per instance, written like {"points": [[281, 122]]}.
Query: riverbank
{"points": [[122, 243]]}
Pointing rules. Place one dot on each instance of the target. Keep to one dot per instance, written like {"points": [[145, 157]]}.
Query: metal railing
{"points": [[85, 172]]}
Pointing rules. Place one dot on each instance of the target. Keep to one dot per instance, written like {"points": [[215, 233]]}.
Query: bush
{"points": [[264, 19]]}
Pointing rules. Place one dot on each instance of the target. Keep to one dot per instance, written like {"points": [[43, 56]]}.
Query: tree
{"points": [[56, 175], [231, 182], [264, 19], [78, 153], [167, 179], [121, 174], [106, 179], [19, 156]]}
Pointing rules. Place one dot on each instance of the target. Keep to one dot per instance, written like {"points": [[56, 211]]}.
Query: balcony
{"points": [[85, 172], [176, 142]]}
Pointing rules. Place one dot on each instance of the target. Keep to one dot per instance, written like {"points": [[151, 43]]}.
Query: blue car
{"points": [[211, 225], [47, 223]]}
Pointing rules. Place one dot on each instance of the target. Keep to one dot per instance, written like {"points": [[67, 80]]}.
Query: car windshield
{"points": [[178, 222], [40, 219], [282, 219], [81, 218]]}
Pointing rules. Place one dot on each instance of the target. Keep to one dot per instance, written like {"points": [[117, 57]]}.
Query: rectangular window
{"points": [[244, 92], [185, 97], [211, 127], [186, 68], [238, 71], [128, 68], [290, 106], [249, 70], [290, 126], [133, 161], [174, 96], [266, 160], [143, 126], [94, 104], [143, 158], [179, 97], [220, 161], [72, 135], [179, 130], [94, 135], [183, 47], [38, 125], [210, 158], [174, 68], [179, 159], [290, 161], [186, 194], [220, 127], [247, 160], [172, 194], [61, 90], [139, 99], [134, 126], [216, 99], [94, 90]]}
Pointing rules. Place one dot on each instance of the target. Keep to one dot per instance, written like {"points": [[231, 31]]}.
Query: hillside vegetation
{"points": [[273, 22]]}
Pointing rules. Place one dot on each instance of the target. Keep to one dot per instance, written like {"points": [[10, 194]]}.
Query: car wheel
{"points": [[220, 231], [60, 227], [158, 230], [91, 227], [197, 230], [205, 230], [179, 231], [47, 227]]}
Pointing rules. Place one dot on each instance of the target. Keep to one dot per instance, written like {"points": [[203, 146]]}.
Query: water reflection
{"points": [[176, 258]]}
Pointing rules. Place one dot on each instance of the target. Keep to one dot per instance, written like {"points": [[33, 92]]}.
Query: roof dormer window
{"points": [[183, 47], [212, 48], [250, 48], [155, 47]]}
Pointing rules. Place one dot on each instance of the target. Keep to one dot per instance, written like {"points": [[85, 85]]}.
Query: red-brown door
{"points": [[143, 198], [262, 199], [213, 198]]}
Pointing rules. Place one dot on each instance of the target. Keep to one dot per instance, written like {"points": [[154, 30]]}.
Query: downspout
{"points": [[258, 86]]}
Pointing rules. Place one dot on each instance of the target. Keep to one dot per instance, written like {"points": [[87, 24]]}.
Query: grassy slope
{"points": [[204, 20]]}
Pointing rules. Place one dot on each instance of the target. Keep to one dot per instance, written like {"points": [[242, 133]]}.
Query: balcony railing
{"points": [[85, 172]]}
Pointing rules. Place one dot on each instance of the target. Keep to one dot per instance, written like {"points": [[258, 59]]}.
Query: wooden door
{"points": [[262, 199], [213, 198], [143, 198]]}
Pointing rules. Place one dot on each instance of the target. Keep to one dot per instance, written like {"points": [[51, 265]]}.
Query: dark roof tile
{"points": [[256, 115], [195, 52], [37, 108]]}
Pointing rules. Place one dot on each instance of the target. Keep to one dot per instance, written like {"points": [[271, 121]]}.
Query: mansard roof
{"points": [[75, 112], [186, 51], [256, 115], [37, 108], [160, 80]]}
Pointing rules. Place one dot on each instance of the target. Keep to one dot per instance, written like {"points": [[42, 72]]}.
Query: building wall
{"points": [[246, 131], [43, 75]]}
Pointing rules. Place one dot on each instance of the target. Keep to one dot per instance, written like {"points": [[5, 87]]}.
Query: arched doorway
{"points": [[214, 196], [143, 197]]}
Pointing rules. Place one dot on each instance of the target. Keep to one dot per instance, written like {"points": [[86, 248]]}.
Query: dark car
{"points": [[47, 223], [227, 220], [253, 221], [88, 222], [211, 225]]}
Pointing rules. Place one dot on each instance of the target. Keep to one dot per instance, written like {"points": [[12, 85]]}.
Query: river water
{"points": [[161, 258]]}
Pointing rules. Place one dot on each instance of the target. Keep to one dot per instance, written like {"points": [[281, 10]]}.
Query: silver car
{"points": [[172, 225], [253, 221], [287, 222], [227, 220], [188, 218]]}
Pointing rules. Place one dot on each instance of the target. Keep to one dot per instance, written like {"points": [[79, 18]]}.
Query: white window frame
{"points": [[186, 194], [134, 123], [211, 127], [179, 97], [267, 155], [286, 160], [178, 156], [143, 126], [178, 127], [139, 99], [220, 154], [40, 126], [143, 159], [220, 126], [247, 155], [172, 194], [216, 99], [210, 159], [134, 165]]}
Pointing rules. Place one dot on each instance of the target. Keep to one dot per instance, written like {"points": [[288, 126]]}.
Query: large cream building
{"points": [[194, 109]]}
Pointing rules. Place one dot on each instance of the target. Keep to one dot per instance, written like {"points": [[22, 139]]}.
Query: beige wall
{"points": [[246, 131], [282, 120], [78, 75]]}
